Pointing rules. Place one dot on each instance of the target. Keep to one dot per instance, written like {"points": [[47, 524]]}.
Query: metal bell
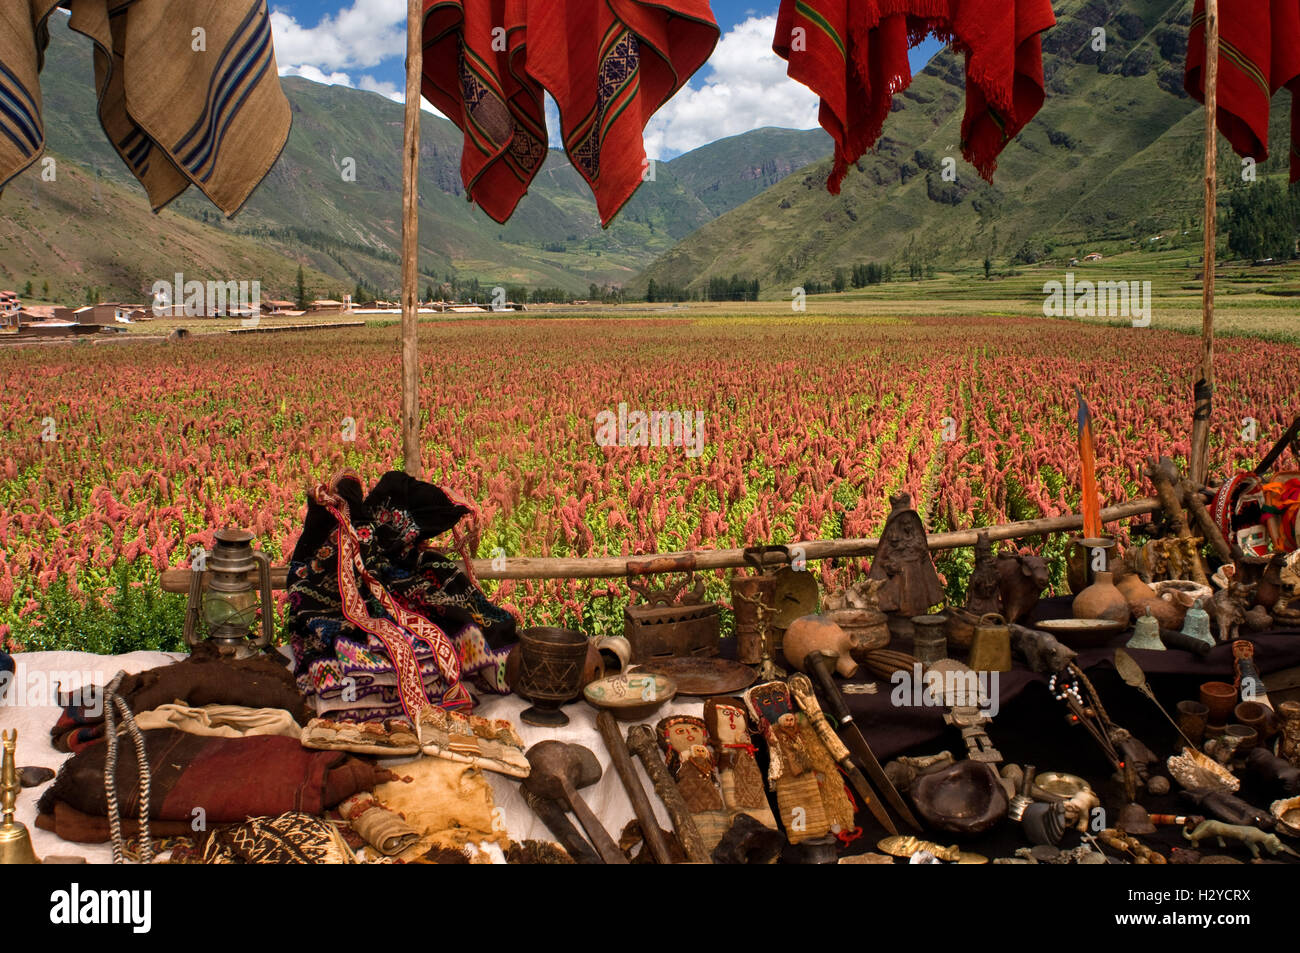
{"points": [[1196, 624], [990, 649], [1146, 634]]}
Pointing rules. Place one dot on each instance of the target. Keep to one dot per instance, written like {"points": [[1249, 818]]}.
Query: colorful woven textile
{"points": [[853, 54], [609, 64], [1259, 54], [381, 624], [186, 96]]}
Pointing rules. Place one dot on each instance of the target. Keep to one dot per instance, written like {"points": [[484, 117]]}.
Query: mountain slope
{"points": [[1113, 157], [348, 231]]}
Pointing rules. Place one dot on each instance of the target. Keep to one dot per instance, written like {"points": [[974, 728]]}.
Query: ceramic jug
{"points": [[1102, 600]]}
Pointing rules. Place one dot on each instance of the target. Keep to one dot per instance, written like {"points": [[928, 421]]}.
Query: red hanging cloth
{"points": [[854, 55], [1259, 53], [609, 64], [473, 74]]}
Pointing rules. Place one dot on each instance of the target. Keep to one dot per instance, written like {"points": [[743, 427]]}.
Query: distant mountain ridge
{"points": [[1114, 157], [86, 230]]}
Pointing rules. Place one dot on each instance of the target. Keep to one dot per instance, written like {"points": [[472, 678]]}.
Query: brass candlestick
{"points": [[15, 841]]}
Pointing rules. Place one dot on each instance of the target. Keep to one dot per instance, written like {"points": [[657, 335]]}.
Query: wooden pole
{"points": [[1203, 393], [613, 567], [411, 242]]}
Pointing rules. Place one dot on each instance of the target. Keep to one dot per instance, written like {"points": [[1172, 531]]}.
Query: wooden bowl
{"points": [[630, 697]]}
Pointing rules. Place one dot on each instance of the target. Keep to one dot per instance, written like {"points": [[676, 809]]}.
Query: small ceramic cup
{"points": [[1220, 698], [1257, 716], [1192, 717], [1242, 738]]}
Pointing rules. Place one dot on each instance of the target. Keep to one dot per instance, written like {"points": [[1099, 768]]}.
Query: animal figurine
{"points": [[984, 595], [1182, 555], [1228, 608], [861, 595], [1021, 581], [1251, 837], [1042, 652], [1150, 560]]}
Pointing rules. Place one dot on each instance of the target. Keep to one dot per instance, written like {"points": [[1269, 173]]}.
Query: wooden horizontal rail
{"points": [[612, 567]]}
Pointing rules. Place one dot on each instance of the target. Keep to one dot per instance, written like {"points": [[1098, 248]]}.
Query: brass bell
{"points": [[15, 840], [1196, 624], [1146, 634], [990, 648]]}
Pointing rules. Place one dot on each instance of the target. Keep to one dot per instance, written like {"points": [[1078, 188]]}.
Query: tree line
{"points": [[1264, 221]]}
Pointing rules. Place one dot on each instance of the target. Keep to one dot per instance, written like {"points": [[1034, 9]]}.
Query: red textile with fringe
{"points": [[1259, 54], [854, 55], [609, 64]]}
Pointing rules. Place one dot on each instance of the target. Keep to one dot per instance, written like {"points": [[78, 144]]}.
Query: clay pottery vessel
{"points": [[965, 798], [1143, 598], [1289, 718], [811, 633], [1102, 600], [1257, 716], [1241, 738], [1191, 721], [1079, 558], [961, 627], [1220, 698], [867, 628]]}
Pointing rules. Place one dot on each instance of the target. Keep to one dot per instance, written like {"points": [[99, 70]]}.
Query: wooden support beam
{"points": [[1198, 465], [411, 242], [613, 567]]}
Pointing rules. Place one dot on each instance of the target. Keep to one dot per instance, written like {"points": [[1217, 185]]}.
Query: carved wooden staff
{"points": [[1165, 475], [654, 837], [641, 739]]}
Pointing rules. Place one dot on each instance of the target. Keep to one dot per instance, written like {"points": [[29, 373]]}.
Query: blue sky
{"points": [[361, 43]]}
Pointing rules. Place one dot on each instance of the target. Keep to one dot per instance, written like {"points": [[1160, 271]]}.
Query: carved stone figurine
{"points": [[911, 585], [685, 742], [1251, 837], [984, 594], [1021, 581]]}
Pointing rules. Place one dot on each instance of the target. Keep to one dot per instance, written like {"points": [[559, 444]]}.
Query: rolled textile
{"points": [[223, 721]]}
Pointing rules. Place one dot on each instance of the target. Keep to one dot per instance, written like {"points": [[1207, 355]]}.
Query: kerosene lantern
{"points": [[223, 591]]}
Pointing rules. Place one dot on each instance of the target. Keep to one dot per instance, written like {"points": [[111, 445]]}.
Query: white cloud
{"points": [[746, 87], [362, 35], [316, 75]]}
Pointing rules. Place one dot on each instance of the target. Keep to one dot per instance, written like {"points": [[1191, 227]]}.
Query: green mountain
{"points": [[85, 231], [1113, 160]]}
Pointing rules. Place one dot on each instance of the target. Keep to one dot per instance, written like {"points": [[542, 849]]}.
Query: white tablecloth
{"points": [[21, 709]]}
